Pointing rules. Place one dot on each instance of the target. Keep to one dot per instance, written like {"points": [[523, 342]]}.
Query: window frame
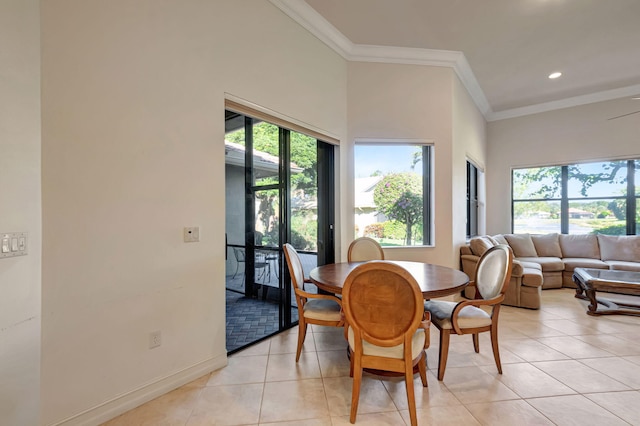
{"points": [[427, 182], [631, 197]]}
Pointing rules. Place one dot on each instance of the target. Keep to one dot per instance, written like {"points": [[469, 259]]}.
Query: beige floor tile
{"points": [[528, 381], [507, 413], [580, 377], [612, 343], [631, 337], [261, 348], [334, 363], [571, 327], [573, 347], [574, 410], [533, 329], [240, 370], [442, 416], [634, 359], [462, 354], [374, 397], [622, 404], [331, 341], [228, 405], [199, 382], [532, 350], [309, 422], [283, 367], [472, 384], [294, 400], [436, 394], [617, 368], [373, 419], [171, 409], [288, 342], [325, 329]]}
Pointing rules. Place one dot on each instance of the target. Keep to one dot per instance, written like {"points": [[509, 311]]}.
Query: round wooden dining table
{"points": [[434, 280]]}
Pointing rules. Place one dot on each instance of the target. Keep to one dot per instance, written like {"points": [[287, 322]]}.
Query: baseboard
{"points": [[127, 401]]}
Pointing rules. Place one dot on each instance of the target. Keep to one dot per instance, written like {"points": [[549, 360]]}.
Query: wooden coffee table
{"points": [[621, 289]]}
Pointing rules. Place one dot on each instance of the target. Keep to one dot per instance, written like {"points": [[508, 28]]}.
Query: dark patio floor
{"points": [[248, 320]]}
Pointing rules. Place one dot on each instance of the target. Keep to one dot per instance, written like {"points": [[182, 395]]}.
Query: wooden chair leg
{"points": [[422, 368], [411, 396], [351, 361], [302, 333], [355, 392], [444, 352], [476, 343], [494, 346]]}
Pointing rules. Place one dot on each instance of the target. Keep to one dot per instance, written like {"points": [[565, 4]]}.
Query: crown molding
{"points": [[322, 29], [574, 101], [316, 24]]}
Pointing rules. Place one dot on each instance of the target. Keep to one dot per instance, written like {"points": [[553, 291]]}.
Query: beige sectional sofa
{"points": [[548, 260]]}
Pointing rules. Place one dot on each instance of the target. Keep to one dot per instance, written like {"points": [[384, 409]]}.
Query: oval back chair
{"points": [[386, 325], [320, 309], [363, 249], [491, 280]]}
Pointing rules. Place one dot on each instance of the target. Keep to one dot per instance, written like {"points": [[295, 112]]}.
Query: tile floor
{"points": [[560, 367]]}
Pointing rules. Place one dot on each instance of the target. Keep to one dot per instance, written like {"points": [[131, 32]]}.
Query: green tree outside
{"points": [[399, 197]]}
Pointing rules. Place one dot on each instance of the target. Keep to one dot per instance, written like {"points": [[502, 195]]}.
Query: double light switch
{"points": [[13, 244]]}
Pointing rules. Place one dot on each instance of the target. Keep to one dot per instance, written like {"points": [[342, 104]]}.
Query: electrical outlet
{"points": [[192, 234], [155, 339]]}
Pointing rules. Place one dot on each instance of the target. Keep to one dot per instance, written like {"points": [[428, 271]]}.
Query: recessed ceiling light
{"points": [[554, 75]]}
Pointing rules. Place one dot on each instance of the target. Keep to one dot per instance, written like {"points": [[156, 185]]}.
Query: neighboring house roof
{"points": [[264, 164], [364, 192]]}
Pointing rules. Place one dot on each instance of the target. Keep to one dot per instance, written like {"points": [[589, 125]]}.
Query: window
{"points": [[392, 193], [597, 197], [472, 200]]}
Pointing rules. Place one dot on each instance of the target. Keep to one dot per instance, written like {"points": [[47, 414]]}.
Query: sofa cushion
{"points": [[522, 245], [620, 265], [619, 247], [579, 245], [547, 245], [500, 239], [479, 245], [493, 240], [570, 263], [548, 264]]}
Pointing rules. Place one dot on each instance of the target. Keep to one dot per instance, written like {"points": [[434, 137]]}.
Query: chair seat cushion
{"points": [[396, 352], [469, 317], [322, 309]]}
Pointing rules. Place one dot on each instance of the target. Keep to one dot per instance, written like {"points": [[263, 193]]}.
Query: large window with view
{"points": [[392, 193], [597, 197]]}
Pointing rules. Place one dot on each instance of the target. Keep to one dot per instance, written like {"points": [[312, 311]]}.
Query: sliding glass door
{"points": [[279, 184]]}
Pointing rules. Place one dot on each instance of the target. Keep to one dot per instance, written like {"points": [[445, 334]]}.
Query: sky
{"points": [[385, 158]]}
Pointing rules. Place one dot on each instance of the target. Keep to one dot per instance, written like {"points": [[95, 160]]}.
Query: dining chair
{"points": [[386, 326], [363, 249], [491, 281], [319, 309]]}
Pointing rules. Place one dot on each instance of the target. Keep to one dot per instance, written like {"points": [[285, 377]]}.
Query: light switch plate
{"points": [[192, 234], [13, 244]]}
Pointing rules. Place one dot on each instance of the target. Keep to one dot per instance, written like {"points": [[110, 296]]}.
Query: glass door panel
{"points": [[271, 198]]}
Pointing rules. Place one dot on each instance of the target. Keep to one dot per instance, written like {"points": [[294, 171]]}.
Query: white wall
{"points": [[469, 143], [393, 101], [20, 209], [133, 128], [581, 133]]}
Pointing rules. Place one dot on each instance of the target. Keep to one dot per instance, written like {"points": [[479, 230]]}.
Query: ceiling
{"points": [[506, 48]]}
